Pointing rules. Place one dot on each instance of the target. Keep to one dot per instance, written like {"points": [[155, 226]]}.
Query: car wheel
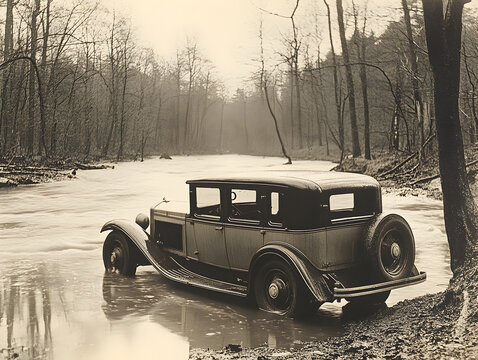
{"points": [[277, 289], [390, 246], [372, 299], [118, 255]]}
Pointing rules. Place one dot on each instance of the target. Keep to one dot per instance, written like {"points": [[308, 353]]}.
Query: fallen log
{"points": [[4, 182], [90, 167], [415, 154], [30, 168], [436, 176]]}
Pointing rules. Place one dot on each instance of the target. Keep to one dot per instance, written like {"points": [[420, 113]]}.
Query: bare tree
{"points": [[336, 82], [32, 89], [417, 95], [350, 82], [361, 43], [264, 78], [192, 67], [443, 26]]}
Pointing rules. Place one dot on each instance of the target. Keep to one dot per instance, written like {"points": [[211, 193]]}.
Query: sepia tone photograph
{"points": [[238, 179]]}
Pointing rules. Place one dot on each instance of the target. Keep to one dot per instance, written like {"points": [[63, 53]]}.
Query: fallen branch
{"points": [[436, 176], [90, 167], [29, 168], [408, 158]]}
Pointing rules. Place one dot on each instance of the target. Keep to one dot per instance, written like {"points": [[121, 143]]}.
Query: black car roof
{"points": [[317, 181]]}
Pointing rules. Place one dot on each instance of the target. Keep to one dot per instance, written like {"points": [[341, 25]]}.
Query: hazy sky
{"points": [[227, 30]]}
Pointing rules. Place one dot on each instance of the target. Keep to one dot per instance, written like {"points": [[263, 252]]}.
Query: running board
{"points": [[172, 270], [380, 287]]}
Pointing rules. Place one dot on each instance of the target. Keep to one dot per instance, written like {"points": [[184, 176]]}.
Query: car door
{"points": [[244, 226], [343, 232], [207, 228]]}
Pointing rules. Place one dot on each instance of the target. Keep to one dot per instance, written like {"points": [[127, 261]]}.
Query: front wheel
{"points": [[118, 255], [277, 289]]}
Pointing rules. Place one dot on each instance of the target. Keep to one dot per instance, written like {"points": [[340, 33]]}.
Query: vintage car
{"points": [[286, 243]]}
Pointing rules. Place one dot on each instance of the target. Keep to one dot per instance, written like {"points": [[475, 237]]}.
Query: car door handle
{"points": [[219, 228]]}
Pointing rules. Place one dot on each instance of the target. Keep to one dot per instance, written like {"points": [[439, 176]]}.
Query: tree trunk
{"points": [[46, 35], [443, 32], [336, 82], [473, 93], [244, 123], [350, 81], [361, 53], [417, 96], [284, 152], [32, 80], [5, 120]]}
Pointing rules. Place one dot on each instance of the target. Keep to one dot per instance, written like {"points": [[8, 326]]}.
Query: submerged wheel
{"points": [[118, 255], [277, 289], [390, 246]]}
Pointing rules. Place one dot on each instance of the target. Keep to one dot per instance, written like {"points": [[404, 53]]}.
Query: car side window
{"points": [[208, 202], [275, 212], [244, 206]]}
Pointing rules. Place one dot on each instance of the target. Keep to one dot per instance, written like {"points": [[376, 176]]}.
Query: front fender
{"points": [[319, 284], [132, 231]]}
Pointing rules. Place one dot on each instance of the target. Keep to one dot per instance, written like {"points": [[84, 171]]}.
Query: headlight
{"points": [[142, 220]]}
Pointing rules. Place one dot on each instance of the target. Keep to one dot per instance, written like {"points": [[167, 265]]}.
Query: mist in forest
{"points": [[326, 79]]}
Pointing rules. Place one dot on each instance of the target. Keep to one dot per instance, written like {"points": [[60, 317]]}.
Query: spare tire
{"points": [[389, 247]]}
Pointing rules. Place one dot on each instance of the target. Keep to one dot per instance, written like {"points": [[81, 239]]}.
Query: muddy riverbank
{"points": [[439, 326], [35, 170]]}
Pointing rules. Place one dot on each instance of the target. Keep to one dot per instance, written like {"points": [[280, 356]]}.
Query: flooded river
{"points": [[57, 303]]}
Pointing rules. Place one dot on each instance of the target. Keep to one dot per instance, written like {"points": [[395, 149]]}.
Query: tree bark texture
{"points": [[350, 82], [443, 32]]}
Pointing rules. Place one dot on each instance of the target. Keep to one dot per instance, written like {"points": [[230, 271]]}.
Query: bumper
{"points": [[380, 287]]}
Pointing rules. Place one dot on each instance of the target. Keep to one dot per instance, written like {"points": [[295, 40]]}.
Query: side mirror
{"points": [[142, 220]]}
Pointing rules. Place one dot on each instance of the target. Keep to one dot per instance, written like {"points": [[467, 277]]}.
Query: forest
{"points": [[75, 82]]}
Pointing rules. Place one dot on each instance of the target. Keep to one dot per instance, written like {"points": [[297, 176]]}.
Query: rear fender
{"points": [[134, 233], [319, 284]]}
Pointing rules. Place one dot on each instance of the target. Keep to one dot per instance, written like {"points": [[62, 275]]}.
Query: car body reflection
{"points": [[207, 319]]}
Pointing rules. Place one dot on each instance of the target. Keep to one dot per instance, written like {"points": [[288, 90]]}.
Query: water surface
{"points": [[57, 303]]}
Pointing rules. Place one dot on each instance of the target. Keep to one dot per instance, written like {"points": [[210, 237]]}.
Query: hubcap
{"points": [[116, 258], [395, 250], [276, 288], [273, 291]]}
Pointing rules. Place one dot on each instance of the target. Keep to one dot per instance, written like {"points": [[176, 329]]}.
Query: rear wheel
{"points": [[119, 254], [390, 246], [277, 289]]}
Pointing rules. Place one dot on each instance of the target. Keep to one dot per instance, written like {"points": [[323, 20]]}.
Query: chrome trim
{"points": [[380, 287], [351, 219]]}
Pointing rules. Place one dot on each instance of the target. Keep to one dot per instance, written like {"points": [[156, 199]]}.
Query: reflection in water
{"points": [[208, 319], [22, 297]]}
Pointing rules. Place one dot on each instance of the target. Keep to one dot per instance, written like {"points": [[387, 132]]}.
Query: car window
{"points": [[274, 203], [341, 202], [208, 200], [275, 211], [244, 205]]}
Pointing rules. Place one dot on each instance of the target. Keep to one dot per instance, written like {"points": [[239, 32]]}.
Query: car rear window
{"points": [[341, 202]]}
